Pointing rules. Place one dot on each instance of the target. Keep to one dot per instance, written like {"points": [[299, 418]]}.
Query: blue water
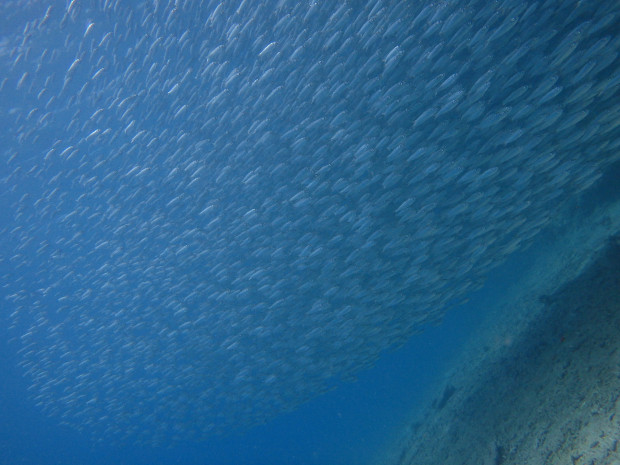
{"points": [[351, 424]]}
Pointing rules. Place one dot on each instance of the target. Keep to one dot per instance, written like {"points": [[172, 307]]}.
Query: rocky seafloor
{"points": [[540, 384]]}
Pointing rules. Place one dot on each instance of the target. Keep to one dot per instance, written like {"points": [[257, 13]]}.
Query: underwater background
{"points": [[266, 231]]}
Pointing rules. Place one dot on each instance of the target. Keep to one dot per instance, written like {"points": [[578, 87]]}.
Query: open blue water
{"points": [[354, 423]]}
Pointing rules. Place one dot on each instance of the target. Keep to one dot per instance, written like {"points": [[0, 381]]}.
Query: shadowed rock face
{"points": [[213, 211], [445, 397]]}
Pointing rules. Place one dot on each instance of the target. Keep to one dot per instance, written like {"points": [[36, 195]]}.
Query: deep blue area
{"points": [[350, 424]]}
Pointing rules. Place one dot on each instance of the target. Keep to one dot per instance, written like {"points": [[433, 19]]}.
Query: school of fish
{"points": [[213, 211]]}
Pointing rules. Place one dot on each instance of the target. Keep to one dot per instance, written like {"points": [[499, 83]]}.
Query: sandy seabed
{"points": [[540, 383]]}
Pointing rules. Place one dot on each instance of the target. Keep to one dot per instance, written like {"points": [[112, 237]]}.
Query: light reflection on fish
{"points": [[214, 209]]}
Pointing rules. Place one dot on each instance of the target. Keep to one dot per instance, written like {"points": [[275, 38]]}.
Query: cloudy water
{"points": [[216, 216]]}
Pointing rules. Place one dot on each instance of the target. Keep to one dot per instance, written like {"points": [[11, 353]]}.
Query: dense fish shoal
{"points": [[215, 211]]}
